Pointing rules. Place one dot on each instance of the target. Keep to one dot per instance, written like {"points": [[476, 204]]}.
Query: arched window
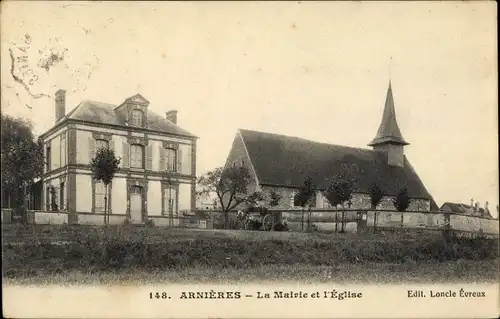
{"points": [[136, 156], [101, 144], [136, 118]]}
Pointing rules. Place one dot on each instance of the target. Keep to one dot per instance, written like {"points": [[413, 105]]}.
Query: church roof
{"points": [[104, 113], [388, 131], [287, 161]]}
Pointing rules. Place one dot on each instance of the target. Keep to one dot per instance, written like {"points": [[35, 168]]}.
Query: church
{"points": [[281, 164]]}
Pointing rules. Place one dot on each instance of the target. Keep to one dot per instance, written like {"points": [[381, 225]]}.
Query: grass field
{"points": [[86, 255]]}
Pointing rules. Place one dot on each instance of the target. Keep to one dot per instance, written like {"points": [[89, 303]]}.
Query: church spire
{"points": [[388, 131]]}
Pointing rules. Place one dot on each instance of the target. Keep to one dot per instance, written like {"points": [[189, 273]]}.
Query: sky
{"points": [[317, 70]]}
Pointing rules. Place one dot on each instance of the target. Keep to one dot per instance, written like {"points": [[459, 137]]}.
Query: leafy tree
{"points": [[274, 198], [231, 186], [104, 166], [304, 196], [402, 201], [339, 191], [376, 195], [21, 157]]}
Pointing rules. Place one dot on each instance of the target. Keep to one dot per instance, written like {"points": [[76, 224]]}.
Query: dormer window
{"points": [[136, 118]]}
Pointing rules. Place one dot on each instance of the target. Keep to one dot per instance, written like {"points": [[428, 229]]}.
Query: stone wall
{"points": [[358, 201]]}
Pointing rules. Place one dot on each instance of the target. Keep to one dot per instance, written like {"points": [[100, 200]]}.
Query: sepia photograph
{"points": [[249, 158]]}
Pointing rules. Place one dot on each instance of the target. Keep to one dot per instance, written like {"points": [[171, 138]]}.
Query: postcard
{"points": [[249, 159]]}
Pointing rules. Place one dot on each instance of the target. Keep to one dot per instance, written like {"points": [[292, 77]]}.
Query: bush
{"points": [[119, 247], [254, 225], [281, 227]]}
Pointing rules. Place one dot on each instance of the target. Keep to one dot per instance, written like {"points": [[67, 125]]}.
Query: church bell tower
{"points": [[389, 138]]}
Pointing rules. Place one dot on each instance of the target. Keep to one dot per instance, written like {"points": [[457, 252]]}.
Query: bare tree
{"points": [[231, 185]]}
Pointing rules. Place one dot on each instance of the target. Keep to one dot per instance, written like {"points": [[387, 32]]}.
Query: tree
{"points": [[304, 196], [104, 166], [21, 157], [231, 186], [274, 199], [402, 201], [339, 191], [376, 195]]}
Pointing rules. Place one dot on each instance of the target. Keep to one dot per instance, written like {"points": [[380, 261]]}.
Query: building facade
{"points": [[157, 172], [281, 164]]}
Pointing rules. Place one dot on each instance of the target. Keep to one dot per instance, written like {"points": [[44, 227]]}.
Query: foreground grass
{"points": [[456, 272], [151, 255]]}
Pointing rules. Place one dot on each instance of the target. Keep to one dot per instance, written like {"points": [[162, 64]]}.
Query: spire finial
{"points": [[390, 71]]}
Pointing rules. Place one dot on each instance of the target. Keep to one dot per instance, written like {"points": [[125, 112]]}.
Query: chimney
{"points": [[60, 104], [172, 116]]}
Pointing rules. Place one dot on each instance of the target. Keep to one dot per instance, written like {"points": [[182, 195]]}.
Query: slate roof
{"points": [[104, 113], [287, 161], [388, 130]]}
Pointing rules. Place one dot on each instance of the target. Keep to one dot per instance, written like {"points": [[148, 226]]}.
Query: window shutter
{"points": [[161, 166], [91, 148], [188, 163], [179, 160], [126, 155], [111, 144], [149, 157]]}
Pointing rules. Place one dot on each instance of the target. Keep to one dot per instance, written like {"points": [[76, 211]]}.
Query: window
{"points": [[242, 163], [171, 160], [420, 220], [63, 149], [100, 193], [136, 190], [62, 204], [136, 156], [430, 220], [48, 158], [136, 118], [101, 144], [170, 200]]}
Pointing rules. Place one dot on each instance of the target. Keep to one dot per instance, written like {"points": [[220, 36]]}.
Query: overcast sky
{"points": [[314, 70]]}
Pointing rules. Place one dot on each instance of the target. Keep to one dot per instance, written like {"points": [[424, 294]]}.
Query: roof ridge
{"points": [[309, 140]]}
